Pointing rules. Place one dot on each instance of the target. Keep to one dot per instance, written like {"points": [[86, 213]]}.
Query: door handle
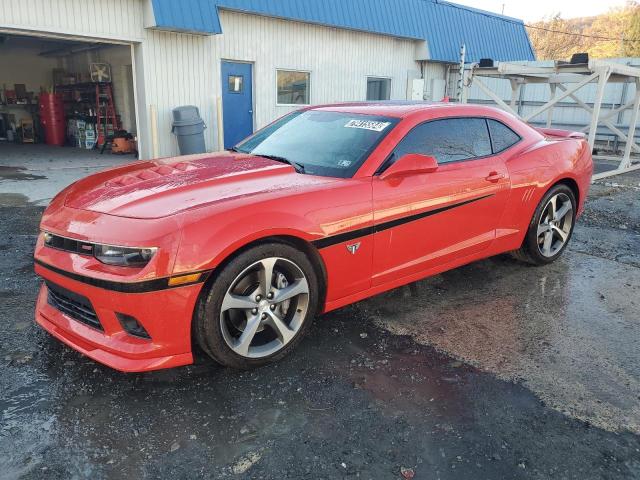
{"points": [[494, 177]]}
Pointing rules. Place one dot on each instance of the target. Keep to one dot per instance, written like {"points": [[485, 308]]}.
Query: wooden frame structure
{"points": [[564, 81]]}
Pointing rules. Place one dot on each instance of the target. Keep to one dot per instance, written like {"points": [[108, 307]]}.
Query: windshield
{"points": [[331, 144]]}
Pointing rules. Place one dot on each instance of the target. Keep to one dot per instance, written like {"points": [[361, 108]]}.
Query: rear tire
{"points": [[550, 228], [259, 306]]}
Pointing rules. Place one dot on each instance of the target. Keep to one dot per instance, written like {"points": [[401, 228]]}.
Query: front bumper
{"points": [[165, 314]]}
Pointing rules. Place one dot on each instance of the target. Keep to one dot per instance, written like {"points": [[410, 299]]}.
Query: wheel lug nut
{"points": [[270, 295], [272, 307], [263, 316], [254, 311], [258, 298]]}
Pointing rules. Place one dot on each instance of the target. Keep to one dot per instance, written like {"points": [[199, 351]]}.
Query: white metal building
{"points": [[268, 56]]}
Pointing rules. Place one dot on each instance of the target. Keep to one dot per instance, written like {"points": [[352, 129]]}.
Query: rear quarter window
{"points": [[502, 137]]}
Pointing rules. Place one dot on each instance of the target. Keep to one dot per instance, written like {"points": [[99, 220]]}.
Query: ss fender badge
{"points": [[353, 248]]}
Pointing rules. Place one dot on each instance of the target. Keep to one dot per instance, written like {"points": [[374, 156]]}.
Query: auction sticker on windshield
{"points": [[368, 125]]}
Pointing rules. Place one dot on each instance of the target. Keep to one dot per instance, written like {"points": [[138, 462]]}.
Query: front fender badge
{"points": [[353, 247]]}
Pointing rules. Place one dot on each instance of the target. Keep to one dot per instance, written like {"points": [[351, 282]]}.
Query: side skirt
{"points": [[496, 249]]}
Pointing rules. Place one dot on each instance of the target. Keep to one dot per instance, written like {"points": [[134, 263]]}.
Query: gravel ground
{"points": [[494, 370]]}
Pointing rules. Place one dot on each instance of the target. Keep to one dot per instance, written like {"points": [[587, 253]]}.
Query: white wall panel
{"points": [[175, 69], [339, 60], [108, 19], [182, 69], [433, 71]]}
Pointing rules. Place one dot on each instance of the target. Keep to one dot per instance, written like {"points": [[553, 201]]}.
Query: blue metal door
{"points": [[237, 102]]}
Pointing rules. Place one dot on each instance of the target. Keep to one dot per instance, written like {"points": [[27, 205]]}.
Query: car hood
{"points": [[154, 189]]}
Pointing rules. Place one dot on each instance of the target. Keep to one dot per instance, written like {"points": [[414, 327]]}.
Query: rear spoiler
{"points": [[557, 133]]}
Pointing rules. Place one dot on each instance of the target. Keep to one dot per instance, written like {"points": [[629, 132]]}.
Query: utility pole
{"points": [[463, 53]]}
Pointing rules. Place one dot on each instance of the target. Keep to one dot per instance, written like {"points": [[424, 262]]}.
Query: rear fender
{"points": [[534, 172]]}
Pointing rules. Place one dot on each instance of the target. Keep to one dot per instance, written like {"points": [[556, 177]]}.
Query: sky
{"points": [[532, 10]]}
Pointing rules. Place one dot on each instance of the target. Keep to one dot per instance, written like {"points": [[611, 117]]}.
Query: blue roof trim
{"points": [[194, 16], [444, 25]]}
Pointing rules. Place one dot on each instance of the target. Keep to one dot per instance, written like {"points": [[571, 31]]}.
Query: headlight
{"points": [[109, 254], [123, 256]]}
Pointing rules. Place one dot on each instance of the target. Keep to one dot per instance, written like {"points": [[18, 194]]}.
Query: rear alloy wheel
{"points": [[258, 307], [550, 228], [555, 225]]}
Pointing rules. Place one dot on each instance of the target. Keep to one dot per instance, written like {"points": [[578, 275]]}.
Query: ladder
{"points": [[105, 112]]}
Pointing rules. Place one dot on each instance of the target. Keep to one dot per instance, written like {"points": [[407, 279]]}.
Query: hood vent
{"points": [[150, 174]]}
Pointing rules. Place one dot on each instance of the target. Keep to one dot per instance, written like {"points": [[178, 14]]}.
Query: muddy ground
{"points": [[494, 370]]}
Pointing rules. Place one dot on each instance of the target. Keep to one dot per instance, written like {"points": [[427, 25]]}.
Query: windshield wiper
{"points": [[297, 166]]}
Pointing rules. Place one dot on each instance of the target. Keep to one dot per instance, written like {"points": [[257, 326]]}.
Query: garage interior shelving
{"points": [[92, 110], [89, 104]]}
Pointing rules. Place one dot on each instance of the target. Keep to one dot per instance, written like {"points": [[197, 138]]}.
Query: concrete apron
{"points": [[33, 174]]}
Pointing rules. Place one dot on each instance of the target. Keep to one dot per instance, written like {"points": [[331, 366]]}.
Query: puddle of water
{"points": [[14, 200], [18, 173], [567, 330]]}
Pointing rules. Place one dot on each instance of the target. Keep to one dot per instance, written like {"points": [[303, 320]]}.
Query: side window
{"points": [[502, 137], [448, 140]]}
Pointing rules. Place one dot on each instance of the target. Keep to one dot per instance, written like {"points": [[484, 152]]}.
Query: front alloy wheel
{"points": [[264, 308], [258, 307]]}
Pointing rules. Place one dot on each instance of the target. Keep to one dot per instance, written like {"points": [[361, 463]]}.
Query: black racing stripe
{"points": [[362, 232], [342, 237], [412, 218], [123, 287]]}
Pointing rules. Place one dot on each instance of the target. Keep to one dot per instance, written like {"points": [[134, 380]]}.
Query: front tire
{"points": [[259, 306], [550, 228]]}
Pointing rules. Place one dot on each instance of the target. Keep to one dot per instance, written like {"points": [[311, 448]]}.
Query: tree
{"points": [[551, 45], [614, 24], [632, 45], [612, 34]]}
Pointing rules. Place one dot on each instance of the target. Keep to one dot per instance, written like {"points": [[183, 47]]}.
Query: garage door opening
{"points": [[67, 108]]}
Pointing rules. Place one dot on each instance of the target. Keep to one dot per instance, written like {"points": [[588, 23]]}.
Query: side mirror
{"points": [[409, 164]]}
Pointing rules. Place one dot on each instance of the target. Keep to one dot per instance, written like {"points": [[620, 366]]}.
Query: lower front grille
{"points": [[72, 304]]}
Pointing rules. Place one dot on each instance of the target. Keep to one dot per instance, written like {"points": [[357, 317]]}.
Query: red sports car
{"points": [[237, 252]]}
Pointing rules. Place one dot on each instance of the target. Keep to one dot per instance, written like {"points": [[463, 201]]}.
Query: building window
{"points": [[378, 88], [293, 87], [235, 83]]}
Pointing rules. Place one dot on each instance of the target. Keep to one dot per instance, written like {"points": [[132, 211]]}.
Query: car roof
{"points": [[400, 109]]}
